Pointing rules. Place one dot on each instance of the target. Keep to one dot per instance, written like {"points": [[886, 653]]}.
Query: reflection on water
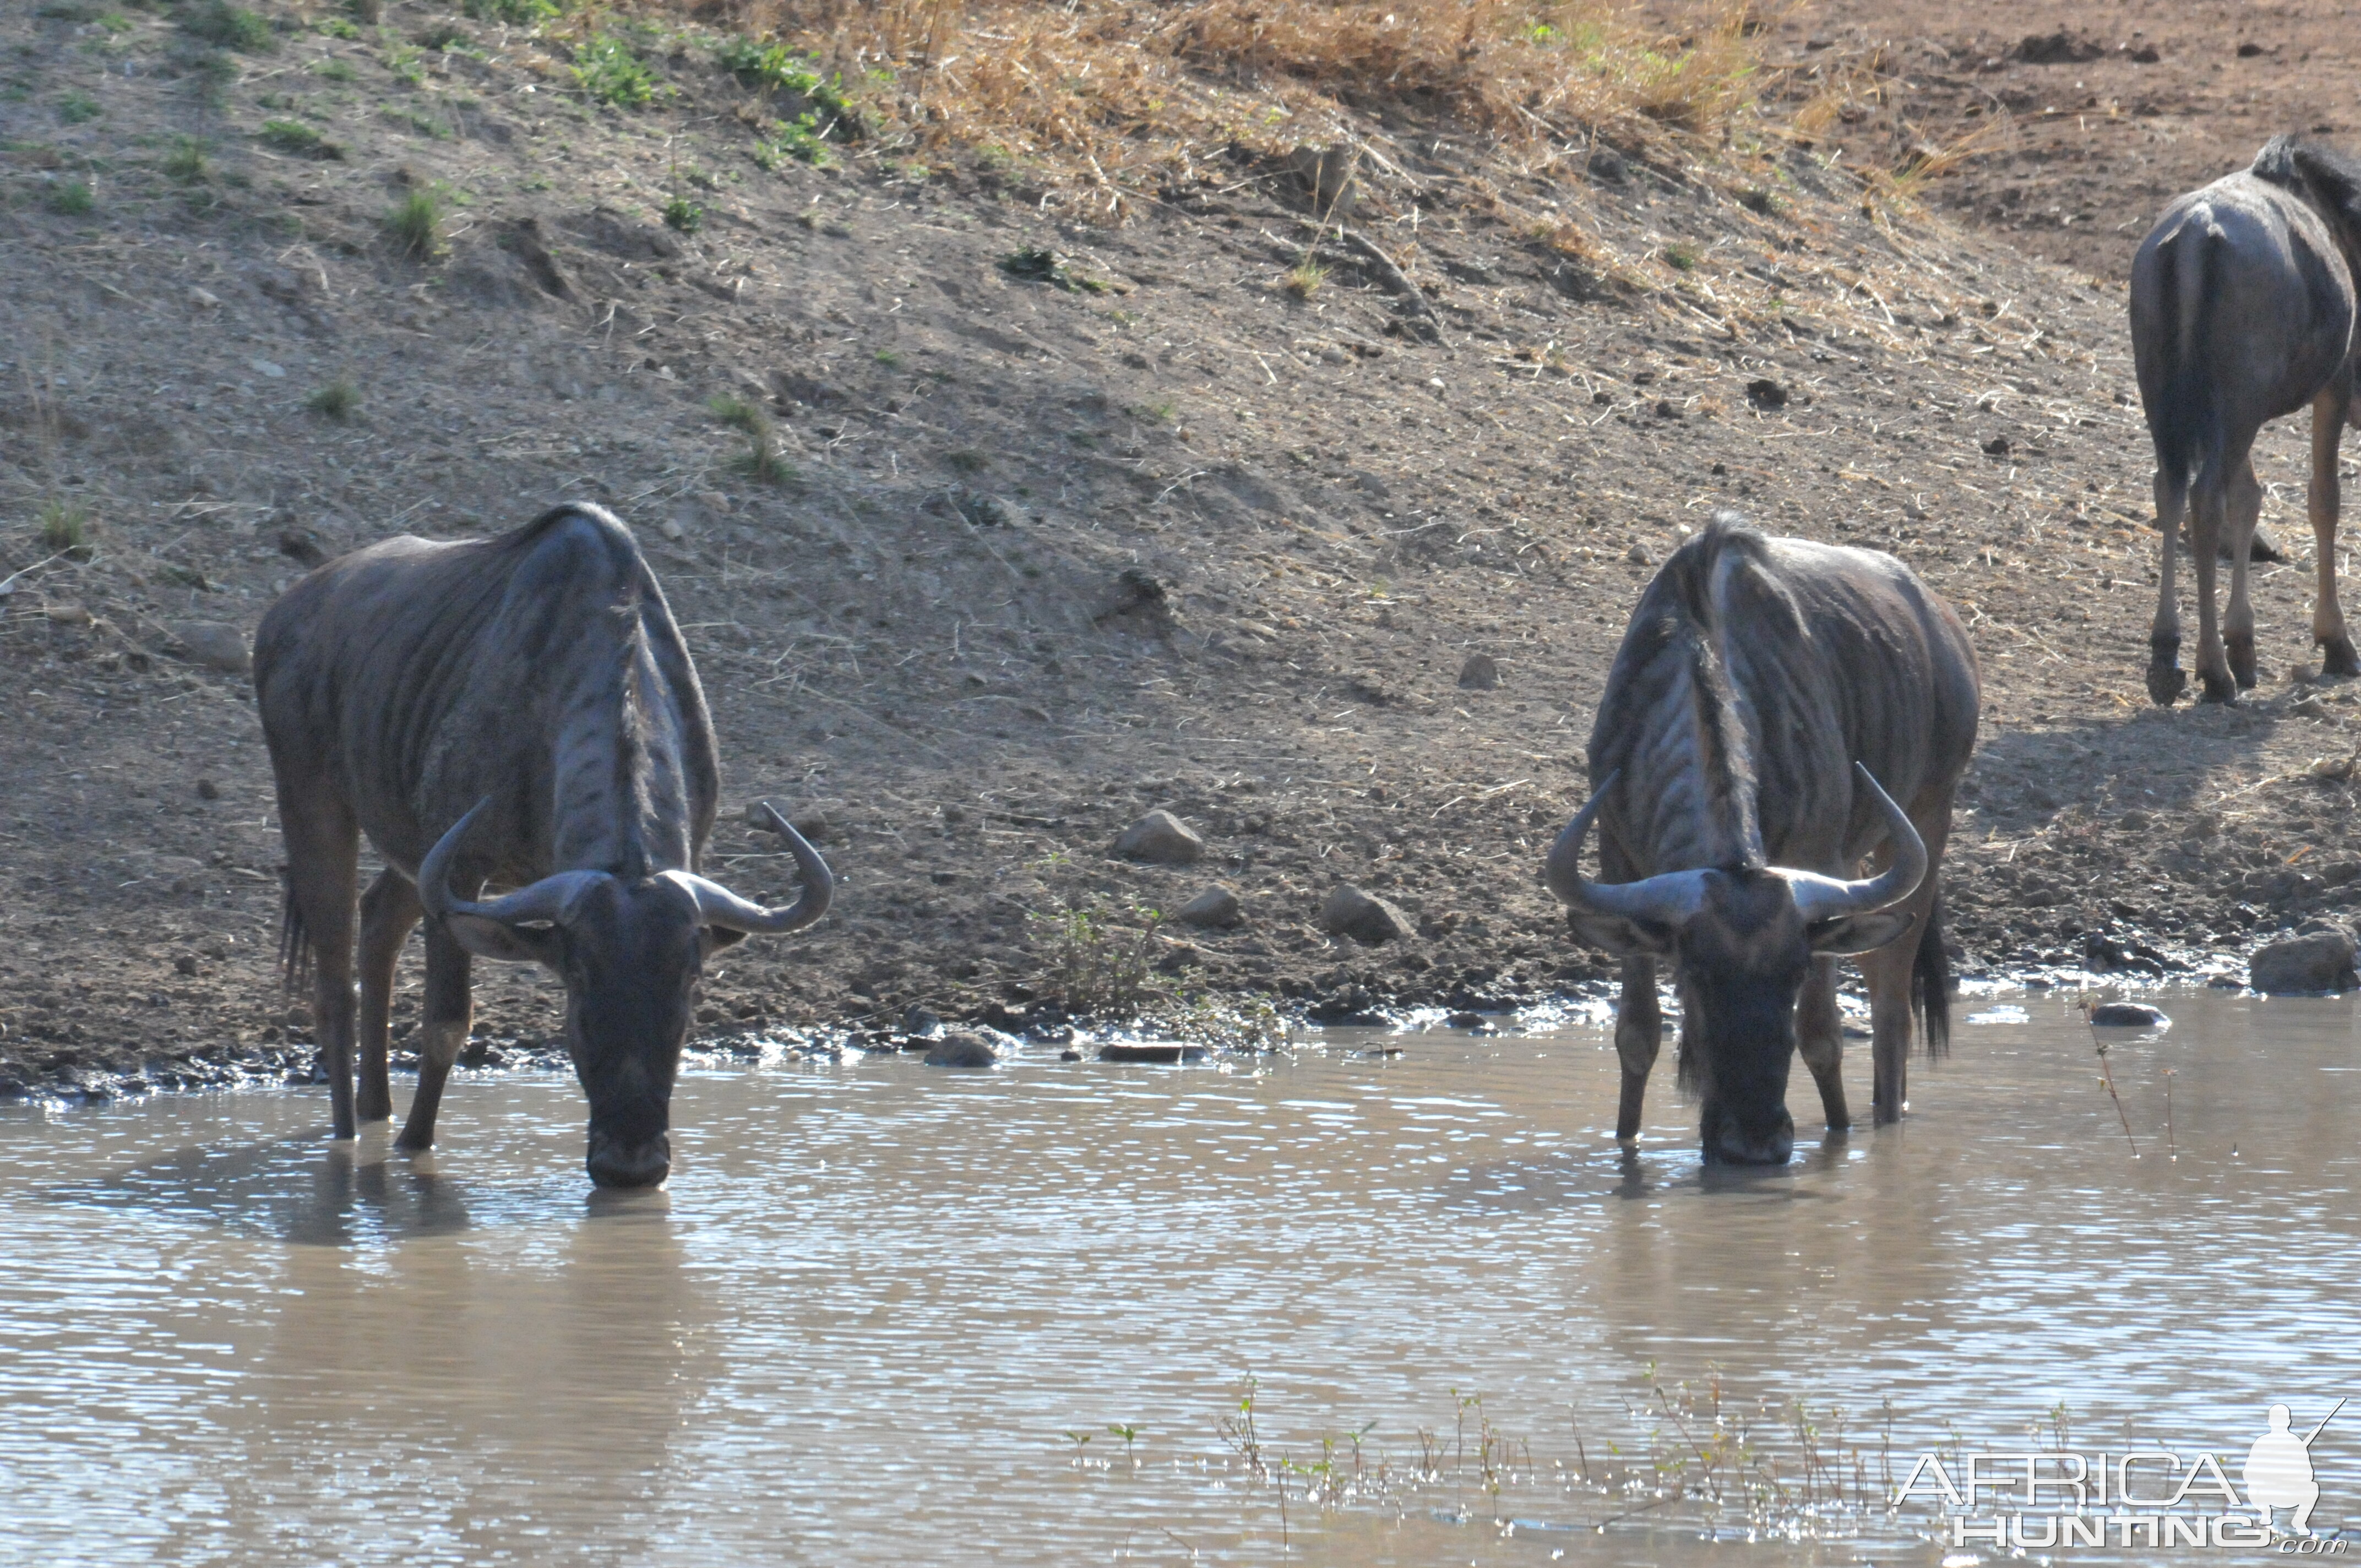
{"points": [[862, 1322]]}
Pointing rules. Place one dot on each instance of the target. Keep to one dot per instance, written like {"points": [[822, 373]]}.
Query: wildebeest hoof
{"points": [[2217, 688], [2165, 683], [2337, 658]]}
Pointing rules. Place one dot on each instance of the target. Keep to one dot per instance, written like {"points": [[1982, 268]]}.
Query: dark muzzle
{"points": [[617, 1162], [1738, 1140]]}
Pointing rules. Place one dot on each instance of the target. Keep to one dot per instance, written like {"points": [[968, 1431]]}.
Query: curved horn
{"points": [[1669, 896], [541, 901], [719, 906], [1822, 897]]}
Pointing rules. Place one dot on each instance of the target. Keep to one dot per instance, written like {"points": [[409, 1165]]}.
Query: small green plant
{"points": [[1680, 257], [295, 136], [776, 67], [1159, 412], [186, 161], [336, 70], [966, 459], [799, 138], [65, 528], [444, 35], [683, 214], [1103, 968], [608, 72], [415, 225], [1303, 279], [888, 359], [406, 64], [71, 199], [335, 27], [365, 12], [1036, 264], [76, 108], [230, 27], [515, 12], [750, 419], [338, 401], [1130, 1436]]}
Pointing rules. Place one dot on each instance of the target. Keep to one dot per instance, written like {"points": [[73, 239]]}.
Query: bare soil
{"points": [[1152, 531]]}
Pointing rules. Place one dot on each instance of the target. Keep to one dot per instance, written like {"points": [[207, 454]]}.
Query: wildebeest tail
{"points": [[1930, 982], [2181, 418], [294, 939]]}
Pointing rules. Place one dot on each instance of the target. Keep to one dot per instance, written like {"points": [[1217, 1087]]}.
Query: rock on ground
{"points": [[1216, 908], [963, 1048], [1160, 838], [215, 645], [1349, 912], [2318, 962]]}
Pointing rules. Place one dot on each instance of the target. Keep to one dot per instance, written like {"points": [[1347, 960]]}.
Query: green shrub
{"points": [[76, 108], [683, 214], [230, 27], [608, 72], [65, 528], [516, 13], [338, 401], [295, 136], [72, 199], [415, 225], [186, 161]]}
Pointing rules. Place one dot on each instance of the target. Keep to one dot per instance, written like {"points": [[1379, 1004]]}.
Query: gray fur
{"points": [[2241, 312], [540, 674], [1756, 673]]}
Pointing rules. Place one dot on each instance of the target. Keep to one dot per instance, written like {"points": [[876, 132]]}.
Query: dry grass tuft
{"points": [[1108, 92]]}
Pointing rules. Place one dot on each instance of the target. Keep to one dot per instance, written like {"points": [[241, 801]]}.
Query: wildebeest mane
{"points": [[2328, 178]]}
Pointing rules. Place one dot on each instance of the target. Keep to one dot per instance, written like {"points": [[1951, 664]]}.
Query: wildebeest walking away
{"points": [[2242, 310], [1768, 695], [519, 710]]}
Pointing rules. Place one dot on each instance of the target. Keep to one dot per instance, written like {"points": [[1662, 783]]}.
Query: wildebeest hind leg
{"points": [[2166, 679], [322, 872], [1639, 1030], [2328, 414], [389, 909], [2204, 544], [441, 1033], [1820, 1039], [2243, 505]]}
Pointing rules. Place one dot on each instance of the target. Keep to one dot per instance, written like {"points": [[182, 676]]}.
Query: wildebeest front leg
{"points": [[1820, 1040], [441, 1033], [389, 909], [2244, 503], [1639, 1031], [2166, 680], [2328, 415], [322, 872]]}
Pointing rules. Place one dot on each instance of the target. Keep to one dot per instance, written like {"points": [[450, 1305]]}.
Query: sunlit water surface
{"points": [[877, 1296]]}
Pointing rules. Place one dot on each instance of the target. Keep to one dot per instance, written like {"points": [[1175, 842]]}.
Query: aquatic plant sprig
{"points": [[2107, 1078]]}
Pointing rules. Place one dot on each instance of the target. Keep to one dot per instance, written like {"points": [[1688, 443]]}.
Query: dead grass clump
{"points": [[1097, 87], [760, 460]]}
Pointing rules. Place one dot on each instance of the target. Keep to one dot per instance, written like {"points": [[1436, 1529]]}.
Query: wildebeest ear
{"points": [[506, 944], [1850, 934], [1614, 934], [717, 938]]}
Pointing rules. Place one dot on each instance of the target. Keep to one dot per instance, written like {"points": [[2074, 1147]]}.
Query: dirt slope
{"points": [[1153, 531]]}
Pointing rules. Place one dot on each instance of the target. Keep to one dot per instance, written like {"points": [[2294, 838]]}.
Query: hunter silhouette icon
{"points": [[2278, 1470]]}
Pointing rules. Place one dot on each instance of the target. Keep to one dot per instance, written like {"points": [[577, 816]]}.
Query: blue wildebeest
{"points": [[518, 710], [1764, 689], [2241, 309]]}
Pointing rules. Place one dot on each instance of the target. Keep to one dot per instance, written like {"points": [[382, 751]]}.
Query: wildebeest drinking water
{"points": [[2242, 310], [519, 710], [1765, 689]]}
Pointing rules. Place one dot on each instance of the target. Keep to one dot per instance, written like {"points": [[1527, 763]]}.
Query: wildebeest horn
{"points": [[1822, 897], [721, 907], [1670, 896], [541, 901]]}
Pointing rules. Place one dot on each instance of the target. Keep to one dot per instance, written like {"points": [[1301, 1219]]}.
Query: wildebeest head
{"points": [[1742, 941], [631, 952]]}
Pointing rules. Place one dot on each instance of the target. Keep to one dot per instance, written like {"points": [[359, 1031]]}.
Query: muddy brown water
{"points": [[876, 1297]]}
